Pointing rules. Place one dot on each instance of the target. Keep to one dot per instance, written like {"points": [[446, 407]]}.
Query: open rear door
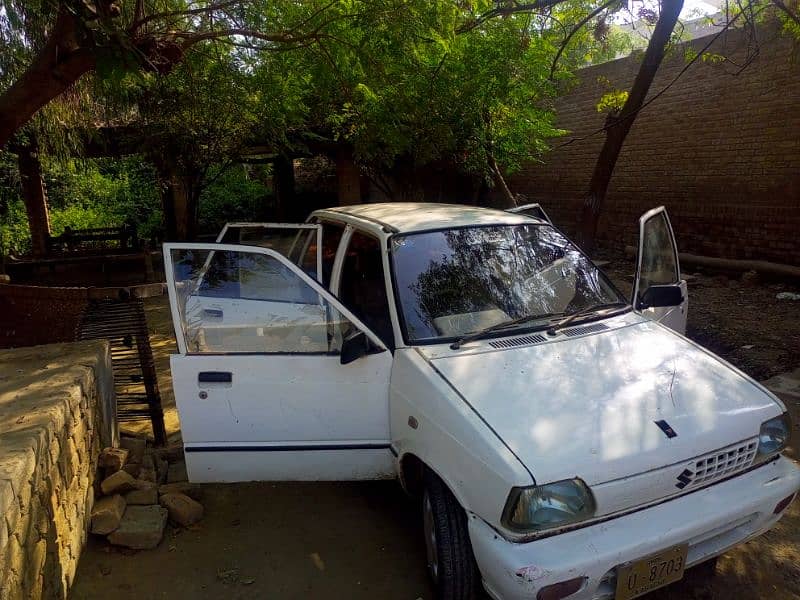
{"points": [[301, 243], [659, 293], [531, 210]]}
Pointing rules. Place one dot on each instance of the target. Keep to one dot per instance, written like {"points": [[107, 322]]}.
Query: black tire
{"points": [[454, 572]]}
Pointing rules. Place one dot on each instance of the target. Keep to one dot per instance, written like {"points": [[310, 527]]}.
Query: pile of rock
{"points": [[141, 488]]}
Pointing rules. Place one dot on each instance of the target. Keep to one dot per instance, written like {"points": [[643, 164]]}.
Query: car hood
{"points": [[587, 406]]}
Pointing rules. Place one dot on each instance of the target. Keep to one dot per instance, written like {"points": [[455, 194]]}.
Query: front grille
{"points": [[723, 463]]}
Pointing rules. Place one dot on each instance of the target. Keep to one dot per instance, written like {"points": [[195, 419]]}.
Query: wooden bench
{"points": [[98, 238]]}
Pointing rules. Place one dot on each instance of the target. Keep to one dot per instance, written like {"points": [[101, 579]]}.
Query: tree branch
{"points": [[137, 24], [788, 11], [575, 30], [655, 96], [505, 11]]}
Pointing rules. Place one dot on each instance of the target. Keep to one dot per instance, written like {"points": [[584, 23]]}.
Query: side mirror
{"points": [[661, 295], [354, 346]]}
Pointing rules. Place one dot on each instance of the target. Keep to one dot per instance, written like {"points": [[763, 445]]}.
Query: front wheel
{"points": [[449, 552]]}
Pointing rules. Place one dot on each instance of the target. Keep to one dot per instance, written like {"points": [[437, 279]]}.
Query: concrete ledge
{"points": [[57, 410]]}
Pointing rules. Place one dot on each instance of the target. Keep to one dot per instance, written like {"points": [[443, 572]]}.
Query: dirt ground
{"points": [[364, 540]]}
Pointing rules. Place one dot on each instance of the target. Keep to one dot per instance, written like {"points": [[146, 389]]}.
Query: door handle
{"points": [[215, 377], [213, 312]]}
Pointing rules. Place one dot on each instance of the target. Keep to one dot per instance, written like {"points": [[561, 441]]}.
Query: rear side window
{"points": [[363, 286], [331, 236]]}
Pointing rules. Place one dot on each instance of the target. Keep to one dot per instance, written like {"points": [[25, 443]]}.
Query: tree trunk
{"points": [[60, 63], [507, 198], [283, 186], [348, 176], [180, 199], [619, 125], [33, 193]]}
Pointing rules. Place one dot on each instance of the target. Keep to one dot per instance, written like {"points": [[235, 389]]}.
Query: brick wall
{"points": [[57, 410], [38, 314], [721, 150], [31, 315]]}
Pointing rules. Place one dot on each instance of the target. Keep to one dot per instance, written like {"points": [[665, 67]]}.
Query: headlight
{"points": [[547, 506], [773, 437]]}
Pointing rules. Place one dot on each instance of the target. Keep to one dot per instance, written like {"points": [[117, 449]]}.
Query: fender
{"points": [[430, 421]]}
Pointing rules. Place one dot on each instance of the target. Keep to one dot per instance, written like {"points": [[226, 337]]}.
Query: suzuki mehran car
{"points": [[563, 441]]}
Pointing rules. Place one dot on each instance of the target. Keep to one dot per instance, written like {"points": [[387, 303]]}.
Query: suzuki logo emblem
{"points": [[684, 479]]}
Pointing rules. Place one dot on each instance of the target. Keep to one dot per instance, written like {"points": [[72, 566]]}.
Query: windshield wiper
{"points": [[497, 327], [582, 313]]}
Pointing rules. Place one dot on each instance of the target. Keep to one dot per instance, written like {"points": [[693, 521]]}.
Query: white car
{"points": [[563, 441]]}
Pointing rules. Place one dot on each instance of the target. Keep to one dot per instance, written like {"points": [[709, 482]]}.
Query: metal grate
{"points": [[724, 462], [519, 341], [122, 322], [583, 330]]}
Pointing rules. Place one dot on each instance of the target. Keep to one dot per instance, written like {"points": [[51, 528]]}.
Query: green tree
{"points": [[409, 84], [48, 45]]}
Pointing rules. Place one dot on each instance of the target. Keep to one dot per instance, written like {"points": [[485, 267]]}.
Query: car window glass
{"points": [[307, 252], [248, 302], [456, 281], [658, 265], [536, 212], [297, 244], [363, 286], [331, 236]]}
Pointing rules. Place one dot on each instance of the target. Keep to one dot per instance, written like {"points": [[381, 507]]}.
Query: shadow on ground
{"points": [[261, 540]]}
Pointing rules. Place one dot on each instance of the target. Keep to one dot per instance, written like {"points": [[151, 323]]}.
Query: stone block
{"points": [[17, 464], [182, 509], [172, 452], [48, 457], [148, 474], [113, 459], [107, 514], [55, 450], [162, 468], [135, 447], [15, 557], [23, 526], [142, 527], [3, 538], [118, 483], [69, 461], [177, 472], [41, 520], [12, 517], [183, 487], [133, 469], [7, 498], [147, 493], [34, 570]]}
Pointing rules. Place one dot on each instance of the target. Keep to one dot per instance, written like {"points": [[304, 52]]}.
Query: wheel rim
{"points": [[431, 547]]}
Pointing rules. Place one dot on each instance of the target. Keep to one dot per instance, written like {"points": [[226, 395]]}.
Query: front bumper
{"points": [[710, 520]]}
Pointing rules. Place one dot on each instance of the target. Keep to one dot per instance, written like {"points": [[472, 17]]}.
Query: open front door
{"points": [[274, 378], [659, 293], [301, 243], [531, 210]]}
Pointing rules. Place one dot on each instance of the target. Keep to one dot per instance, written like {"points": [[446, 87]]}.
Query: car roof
{"points": [[405, 217]]}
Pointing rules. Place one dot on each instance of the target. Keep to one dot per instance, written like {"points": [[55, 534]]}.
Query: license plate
{"points": [[647, 574]]}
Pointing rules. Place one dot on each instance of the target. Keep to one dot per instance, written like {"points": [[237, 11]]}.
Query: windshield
{"points": [[453, 282]]}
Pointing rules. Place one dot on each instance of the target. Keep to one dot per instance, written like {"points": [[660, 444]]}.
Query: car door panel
{"points": [[259, 385], [657, 264]]}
